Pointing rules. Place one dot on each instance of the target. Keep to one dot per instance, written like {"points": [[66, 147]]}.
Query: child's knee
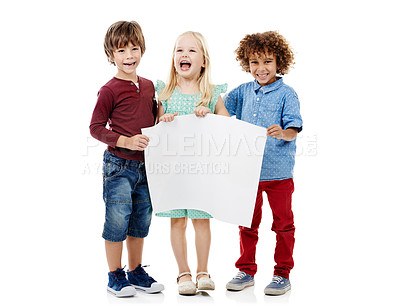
{"points": [[201, 223], [179, 223], [283, 227]]}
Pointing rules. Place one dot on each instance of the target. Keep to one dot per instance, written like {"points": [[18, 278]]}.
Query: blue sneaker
{"points": [[142, 281], [278, 286], [118, 285], [241, 281]]}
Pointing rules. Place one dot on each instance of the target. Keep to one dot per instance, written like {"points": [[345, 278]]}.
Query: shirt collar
{"points": [[268, 88]]}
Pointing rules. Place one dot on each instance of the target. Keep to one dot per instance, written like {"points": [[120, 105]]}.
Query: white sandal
{"points": [[186, 287], [204, 283]]}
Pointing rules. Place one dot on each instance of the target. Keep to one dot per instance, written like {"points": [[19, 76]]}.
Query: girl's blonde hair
{"points": [[204, 80]]}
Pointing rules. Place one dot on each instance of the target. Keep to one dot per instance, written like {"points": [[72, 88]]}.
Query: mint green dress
{"points": [[185, 104]]}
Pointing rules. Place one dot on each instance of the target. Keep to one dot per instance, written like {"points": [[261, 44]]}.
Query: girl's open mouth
{"points": [[185, 65]]}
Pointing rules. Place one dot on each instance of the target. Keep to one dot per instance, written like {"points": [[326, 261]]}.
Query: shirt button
{"points": [[255, 114], [131, 83], [258, 99], [137, 91]]}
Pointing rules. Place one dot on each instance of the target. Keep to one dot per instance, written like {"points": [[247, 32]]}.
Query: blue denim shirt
{"points": [[276, 103]]}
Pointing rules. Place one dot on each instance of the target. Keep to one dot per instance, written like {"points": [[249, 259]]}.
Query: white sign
{"points": [[211, 164]]}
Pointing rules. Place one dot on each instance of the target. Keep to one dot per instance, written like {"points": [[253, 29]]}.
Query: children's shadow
{"points": [[244, 296], [274, 299], [200, 297]]}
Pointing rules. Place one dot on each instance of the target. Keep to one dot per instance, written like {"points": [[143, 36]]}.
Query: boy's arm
{"points": [[135, 143], [100, 117], [277, 132], [98, 130], [291, 118]]}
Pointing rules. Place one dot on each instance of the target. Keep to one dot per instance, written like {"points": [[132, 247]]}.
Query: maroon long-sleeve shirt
{"points": [[126, 109]]}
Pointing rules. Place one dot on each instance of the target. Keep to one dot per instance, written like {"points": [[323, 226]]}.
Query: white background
{"points": [[346, 175]]}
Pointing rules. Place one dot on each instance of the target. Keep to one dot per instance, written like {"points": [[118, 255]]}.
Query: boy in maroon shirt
{"points": [[127, 104]]}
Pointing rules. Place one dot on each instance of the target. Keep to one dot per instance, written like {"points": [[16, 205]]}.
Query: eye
{"points": [[120, 50], [192, 50]]}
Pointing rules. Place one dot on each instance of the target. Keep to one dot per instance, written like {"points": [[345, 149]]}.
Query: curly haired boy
{"points": [[268, 102]]}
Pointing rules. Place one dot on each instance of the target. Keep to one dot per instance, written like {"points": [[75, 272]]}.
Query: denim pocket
{"points": [[111, 169]]}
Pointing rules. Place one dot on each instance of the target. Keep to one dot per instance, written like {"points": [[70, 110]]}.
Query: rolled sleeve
{"points": [[291, 112]]}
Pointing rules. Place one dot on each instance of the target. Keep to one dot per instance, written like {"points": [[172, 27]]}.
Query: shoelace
{"points": [[141, 272], [240, 275], [277, 279], [121, 278]]}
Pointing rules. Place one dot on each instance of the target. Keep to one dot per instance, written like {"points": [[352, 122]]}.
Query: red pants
{"points": [[279, 195]]}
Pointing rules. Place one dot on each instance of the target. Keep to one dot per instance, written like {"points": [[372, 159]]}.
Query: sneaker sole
{"points": [[239, 287], [155, 288], [125, 292], [273, 291]]}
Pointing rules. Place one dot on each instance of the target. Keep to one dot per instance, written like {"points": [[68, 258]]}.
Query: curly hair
{"points": [[260, 43]]}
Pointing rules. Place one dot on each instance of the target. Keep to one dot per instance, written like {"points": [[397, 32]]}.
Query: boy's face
{"points": [[127, 60], [263, 68]]}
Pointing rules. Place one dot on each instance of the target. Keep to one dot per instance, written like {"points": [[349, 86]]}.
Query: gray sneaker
{"points": [[278, 286], [241, 281]]}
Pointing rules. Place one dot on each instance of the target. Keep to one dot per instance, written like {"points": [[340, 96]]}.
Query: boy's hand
{"points": [[168, 117], [136, 143], [201, 111], [275, 131]]}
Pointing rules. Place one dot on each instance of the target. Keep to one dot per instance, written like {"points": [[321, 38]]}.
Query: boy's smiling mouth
{"points": [[263, 76], [130, 64]]}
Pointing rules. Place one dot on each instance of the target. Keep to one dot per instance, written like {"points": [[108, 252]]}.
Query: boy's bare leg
{"points": [[134, 246], [203, 243], [179, 245], [113, 254]]}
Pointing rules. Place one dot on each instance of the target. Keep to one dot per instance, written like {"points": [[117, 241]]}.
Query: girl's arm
{"points": [[160, 112], [220, 108], [165, 117]]}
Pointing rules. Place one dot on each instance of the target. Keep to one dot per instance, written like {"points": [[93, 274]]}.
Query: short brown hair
{"points": [[259, 43], [120, 34]]}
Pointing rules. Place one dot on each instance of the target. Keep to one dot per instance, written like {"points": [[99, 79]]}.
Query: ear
{"points": [[111, 60]]}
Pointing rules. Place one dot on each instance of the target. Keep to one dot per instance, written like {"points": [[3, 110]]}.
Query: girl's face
{"points": [[188, 57], [127, 60], [263, 68]]}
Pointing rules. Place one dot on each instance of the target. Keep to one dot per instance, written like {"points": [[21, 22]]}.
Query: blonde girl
{"points": [[189, 90]]}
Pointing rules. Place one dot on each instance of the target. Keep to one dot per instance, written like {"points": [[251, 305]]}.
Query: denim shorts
{"points": [[127, 199]]}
